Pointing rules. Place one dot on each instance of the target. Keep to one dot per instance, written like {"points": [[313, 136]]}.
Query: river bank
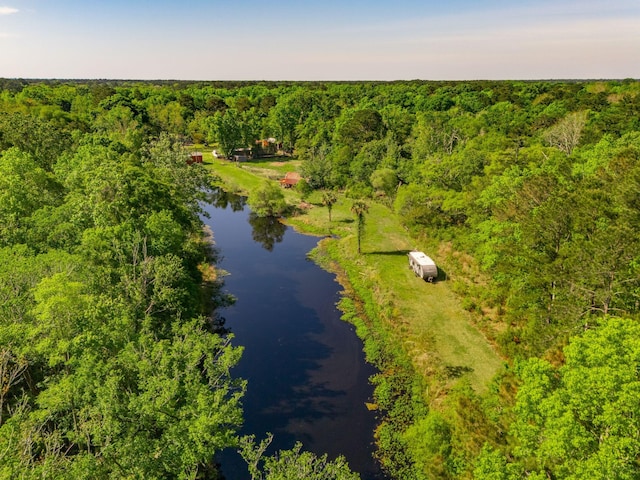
{"points": [[307, 379], [418, 334]]}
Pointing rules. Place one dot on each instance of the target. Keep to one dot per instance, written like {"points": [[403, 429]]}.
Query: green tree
{"points": [[359, 208], [226, 129], [267, 200], [367, 161], [582, 420], [24, 188], [168, 117], [384, 181], [291, 464], [43, 140], [359, 127], [329, 199], [317, 167], [290, 111], [107, 369], [120, 125]]}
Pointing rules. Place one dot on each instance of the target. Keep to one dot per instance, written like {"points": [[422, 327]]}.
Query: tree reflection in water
{"points": [[267, 231], [221, 199]]}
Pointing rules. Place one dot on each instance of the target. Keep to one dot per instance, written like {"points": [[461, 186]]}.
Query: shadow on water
{"points": [[289, 392]]}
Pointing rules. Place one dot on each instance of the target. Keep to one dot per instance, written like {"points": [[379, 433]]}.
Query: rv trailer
{"points": [[423, 266]]}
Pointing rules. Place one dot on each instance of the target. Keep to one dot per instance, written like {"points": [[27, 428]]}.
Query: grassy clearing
{"points": [[436, 331], [427, 319]]}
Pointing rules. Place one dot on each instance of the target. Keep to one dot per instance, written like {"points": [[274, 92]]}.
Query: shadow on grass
{"points": [[397, 253], [284, 159], [442, 275], [457, 371]]}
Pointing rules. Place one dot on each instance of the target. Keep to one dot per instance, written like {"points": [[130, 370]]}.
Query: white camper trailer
{"points": [[423, 266]]}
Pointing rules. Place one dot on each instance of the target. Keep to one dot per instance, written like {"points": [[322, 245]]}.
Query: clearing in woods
{"points": [[435, 327]]}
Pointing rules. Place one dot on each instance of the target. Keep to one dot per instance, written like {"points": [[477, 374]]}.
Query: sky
{"points": [[320, 39]]}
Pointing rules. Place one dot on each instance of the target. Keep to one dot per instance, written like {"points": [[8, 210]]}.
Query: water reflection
{"points": [[307, 378], [267, 231], [221, 199]]}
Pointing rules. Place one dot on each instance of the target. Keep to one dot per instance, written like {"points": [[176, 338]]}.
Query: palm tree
{"points": [[328, 200], [360, 207]]}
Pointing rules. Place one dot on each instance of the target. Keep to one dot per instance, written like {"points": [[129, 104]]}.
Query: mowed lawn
{"points": [[434, 327]]}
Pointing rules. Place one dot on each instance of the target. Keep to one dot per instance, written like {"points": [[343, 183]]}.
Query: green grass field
{"points": [[432, 324]]}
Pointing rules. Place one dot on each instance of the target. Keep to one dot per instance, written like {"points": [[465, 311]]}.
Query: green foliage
{"points": [[291, 464], [303, 188], [430, 440], [328, 200], [43, 140], [317, 168], [384, 181], [580, 420], [359, 127], [493, 465], [359, 208], [536, 182], [107, 369], [24, 188], [226, 130], [267, 200]]}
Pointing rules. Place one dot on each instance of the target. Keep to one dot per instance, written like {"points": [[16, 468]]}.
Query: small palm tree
{"points": [[359, 207], [328, 200]]}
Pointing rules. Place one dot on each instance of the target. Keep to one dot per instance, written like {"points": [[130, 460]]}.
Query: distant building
{"points": [[265, 147], [290, 179], [196, 157]]}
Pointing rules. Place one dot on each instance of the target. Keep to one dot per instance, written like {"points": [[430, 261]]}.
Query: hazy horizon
{"points": [[354, 40]]}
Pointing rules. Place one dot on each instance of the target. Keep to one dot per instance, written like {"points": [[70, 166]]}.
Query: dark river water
{"points": [[307, 378]]}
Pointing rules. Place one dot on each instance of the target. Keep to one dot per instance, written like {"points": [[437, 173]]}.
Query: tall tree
{"points": [[360, 208], [291, 464], [566, 134], [227, 131], [328, 200]]}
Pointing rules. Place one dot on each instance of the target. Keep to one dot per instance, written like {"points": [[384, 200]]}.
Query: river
{"points": [[307, 377]]}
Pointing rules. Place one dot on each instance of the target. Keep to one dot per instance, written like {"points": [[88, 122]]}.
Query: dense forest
{"points": [[113, 365]]}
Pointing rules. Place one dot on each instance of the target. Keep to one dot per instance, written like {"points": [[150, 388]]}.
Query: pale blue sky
{"points": [[320, 40]]}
